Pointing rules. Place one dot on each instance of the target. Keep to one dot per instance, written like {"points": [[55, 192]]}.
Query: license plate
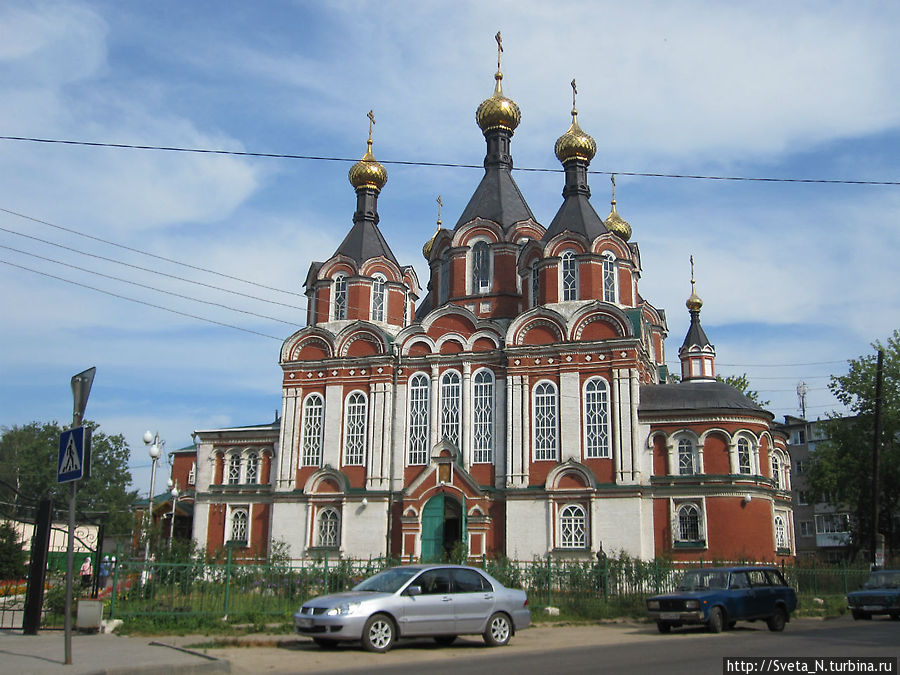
{"points": [[872, 608], [669, 616], [304, 623]]}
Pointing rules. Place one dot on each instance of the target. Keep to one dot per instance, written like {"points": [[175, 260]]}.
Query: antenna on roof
{"points": [[801, 397]]}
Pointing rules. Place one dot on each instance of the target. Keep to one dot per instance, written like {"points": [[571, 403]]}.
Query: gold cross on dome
{"points": [[440, 204], [692, 273], [613, 179], [574, 91], [499, 47], [371, 116]]}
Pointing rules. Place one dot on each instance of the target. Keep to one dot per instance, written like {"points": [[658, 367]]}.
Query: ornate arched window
{"points": [[379, 297], [781, 538], [572, 527], [240, 525], [339, 302], [252, 475], [483, 417], [687, 457], [596, 418], [481, 267], [545, 426], [355, 415], [328, 531], [776, 471], [417, 452], [234, 469], [451, 391], [688, 523], [313, 430], [744, 456], [610, 278], [535, 274], [569, 276]]}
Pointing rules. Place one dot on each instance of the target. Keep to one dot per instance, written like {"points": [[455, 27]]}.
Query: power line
{"points": [[141, 302], [323, 158], [147, 253], [152, 288]]}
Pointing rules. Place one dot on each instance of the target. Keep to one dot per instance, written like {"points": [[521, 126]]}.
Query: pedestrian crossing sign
{"points": [[74, 462]]}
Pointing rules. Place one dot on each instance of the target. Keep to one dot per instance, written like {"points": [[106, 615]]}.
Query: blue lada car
{"points": [[721, 596], [879, 595]]}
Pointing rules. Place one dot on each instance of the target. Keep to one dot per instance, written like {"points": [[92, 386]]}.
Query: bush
{"points": [[12, 555]]}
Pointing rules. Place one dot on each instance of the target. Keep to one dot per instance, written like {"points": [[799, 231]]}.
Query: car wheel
{"points": [[857, 615], [445, 640], [378, 633], [716, 621], [325, 643], [732, 624], [777, 621], [498, 630], [663, 627], [895, 616]]}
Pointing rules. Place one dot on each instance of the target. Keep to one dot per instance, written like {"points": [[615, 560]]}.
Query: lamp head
{"points": [[148, 437], [154, 451]]}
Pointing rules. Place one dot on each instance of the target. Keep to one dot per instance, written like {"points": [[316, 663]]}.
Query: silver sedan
{"points": [[439, 601]]}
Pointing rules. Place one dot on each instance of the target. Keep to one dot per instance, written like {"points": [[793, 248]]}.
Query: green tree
{"points": [[12, 555], [841, 467], [28, 457], [742, 384]]}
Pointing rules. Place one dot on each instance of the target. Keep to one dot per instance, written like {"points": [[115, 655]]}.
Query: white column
{"points": [[288, 441], [500, 427], [433, 426], [465, 437], [633, 402], [398, 433]]}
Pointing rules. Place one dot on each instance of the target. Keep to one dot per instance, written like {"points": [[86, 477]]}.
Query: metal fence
{"points": [[251, 591]]}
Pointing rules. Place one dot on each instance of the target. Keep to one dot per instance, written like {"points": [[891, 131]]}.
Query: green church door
{"points": [[442, 527]]}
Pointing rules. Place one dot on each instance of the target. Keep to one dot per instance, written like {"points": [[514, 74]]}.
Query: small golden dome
{"points": [[429, 245], [368, 172], [498, 112], [617, 224], [694, 303], [575, 144]]}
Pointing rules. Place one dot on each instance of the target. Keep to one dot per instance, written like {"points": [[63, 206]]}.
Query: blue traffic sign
{"points": [[74, 461]]}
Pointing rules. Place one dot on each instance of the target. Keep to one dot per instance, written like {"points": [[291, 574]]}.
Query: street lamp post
{"points": [[174, 493], [155, 450]]}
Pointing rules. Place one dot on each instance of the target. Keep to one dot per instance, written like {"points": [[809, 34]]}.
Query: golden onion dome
{"points": [[617, 224], [498, 112], [694, 303], [575, 143], [429, 245], [368, 172]]}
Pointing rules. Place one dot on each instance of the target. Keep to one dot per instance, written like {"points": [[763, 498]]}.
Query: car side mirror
{"points": [[414, 590]]}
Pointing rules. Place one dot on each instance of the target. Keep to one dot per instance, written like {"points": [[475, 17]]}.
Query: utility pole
{"points": [[876, 448]]}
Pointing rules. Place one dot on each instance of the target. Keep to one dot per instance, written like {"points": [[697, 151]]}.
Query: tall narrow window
{"points": [[379, 297], [239, 521], [418, 419], [340, 297], [483, 417], [686, 464], [450, 406], [535, 285], [596, 418], [313, 417], [544, 427], [572, 527], [776, 472], [329, 529], [744, 461], [569, 276], [234, 469], [610, 282], [688, 523], [355, 429], [252, 468], [192, 474], [481, 268], [781, 540], [444, 282]]}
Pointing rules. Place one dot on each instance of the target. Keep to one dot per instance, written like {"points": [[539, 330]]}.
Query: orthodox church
{"points": [[520, 406]]}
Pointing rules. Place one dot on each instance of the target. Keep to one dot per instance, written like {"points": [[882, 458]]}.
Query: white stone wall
{"points": [[622, 524], [363, 529], [528, 528], [289, 524]]}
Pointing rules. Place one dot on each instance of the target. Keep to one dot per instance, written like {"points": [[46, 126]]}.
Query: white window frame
{"points": [[339, 293], [610, 278], [236, 516], [568, 275], [777, 473], [687, 448], [545, 421], [450, 407], [779, 524], [573, 527], [356, 428], [313, 430], [379, 298], [744, 445], [192, 474], [483, 387], [252, 468], [233, 468], [679, 536], [328, 528], [482, 275], [418, 418], [596, 405]]}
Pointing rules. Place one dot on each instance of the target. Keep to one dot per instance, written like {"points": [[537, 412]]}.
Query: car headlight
{"points": [[691, 604], [653, 604], [342, 609]]}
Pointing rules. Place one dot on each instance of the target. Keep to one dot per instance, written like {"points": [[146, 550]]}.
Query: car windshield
{"points": [[701, 580], [389, 581], [884, 580]]}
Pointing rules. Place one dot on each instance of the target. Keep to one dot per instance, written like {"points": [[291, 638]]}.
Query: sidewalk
{"points": [[98, 653]]}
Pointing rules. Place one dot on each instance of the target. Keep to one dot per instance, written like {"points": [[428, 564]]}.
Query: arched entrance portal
{"points": [[443, 525]]}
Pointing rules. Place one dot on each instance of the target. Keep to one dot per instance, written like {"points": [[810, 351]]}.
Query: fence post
{"points": [[227, 578], [115, 586], [605, 579], [549, 580]]}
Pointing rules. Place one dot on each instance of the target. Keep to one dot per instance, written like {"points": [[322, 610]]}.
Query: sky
{"points": [[796, 277]]}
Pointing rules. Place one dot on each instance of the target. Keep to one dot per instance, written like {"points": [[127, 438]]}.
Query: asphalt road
{"points": [[607, 648]]}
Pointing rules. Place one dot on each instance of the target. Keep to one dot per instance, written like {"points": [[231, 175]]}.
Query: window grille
{"points": [[596, 418], [450, 406], [483, 417], [329, 529], [355, 430], [545, 421], [686, 465], [340, 297], [313, 417], [569, 276], [572, 527], [418, 419]]}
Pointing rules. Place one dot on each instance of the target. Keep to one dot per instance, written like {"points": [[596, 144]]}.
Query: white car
{"points": [[439, 601]]}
